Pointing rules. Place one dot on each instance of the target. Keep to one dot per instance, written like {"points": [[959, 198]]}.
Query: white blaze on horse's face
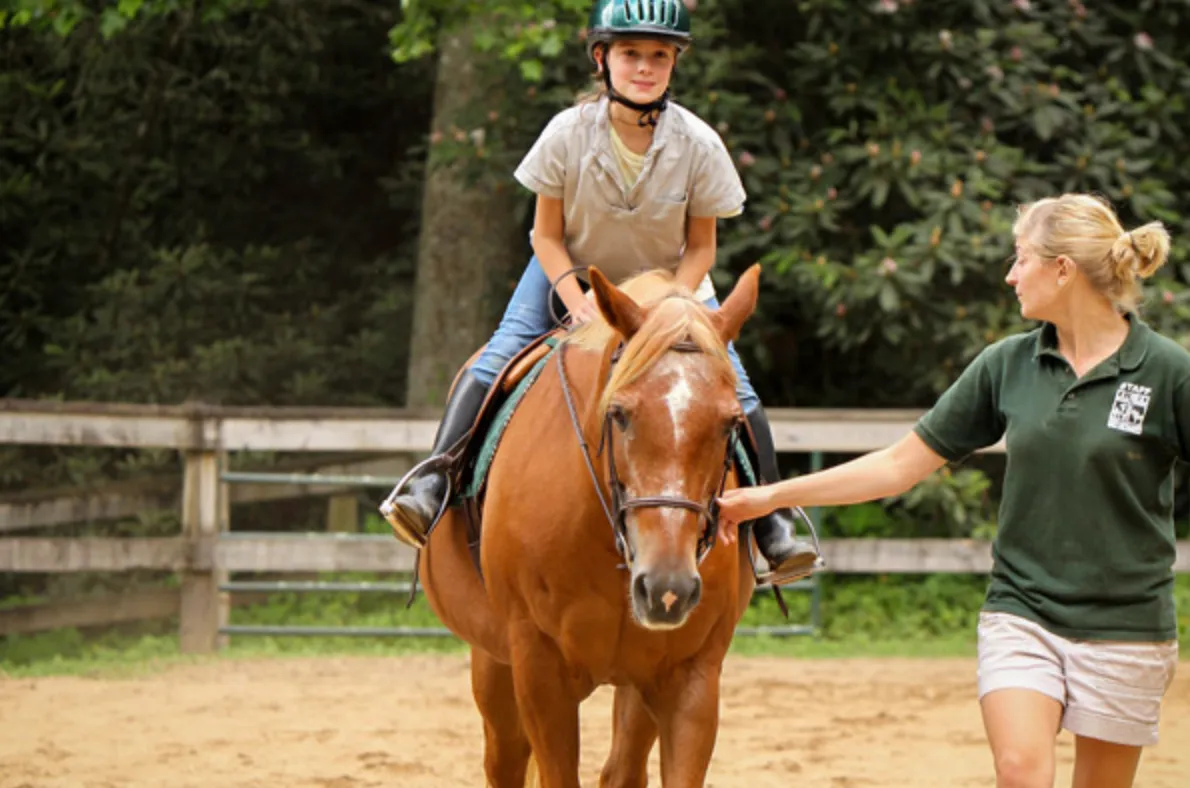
{"points": [[678, 398], [648, 476]]}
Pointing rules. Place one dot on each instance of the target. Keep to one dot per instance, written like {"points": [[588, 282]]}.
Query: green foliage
{"points": [[216, 208], [64, 16], [222, 211], [531, 34]]}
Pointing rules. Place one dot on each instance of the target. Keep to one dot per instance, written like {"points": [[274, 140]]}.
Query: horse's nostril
{"points": [[640, 587], [696, 594]]}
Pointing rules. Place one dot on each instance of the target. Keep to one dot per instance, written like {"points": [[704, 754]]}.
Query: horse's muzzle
{"points": [[663, 600]]}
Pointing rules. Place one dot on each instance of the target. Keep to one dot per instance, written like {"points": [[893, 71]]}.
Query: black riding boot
{"points": [[789, 558], [414, 512]]}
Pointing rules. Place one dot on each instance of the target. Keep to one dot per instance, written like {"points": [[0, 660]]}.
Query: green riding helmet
{"points": [[666, 20]]}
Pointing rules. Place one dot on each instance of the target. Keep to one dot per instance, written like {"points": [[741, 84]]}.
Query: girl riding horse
{"points": [[625, 181]]}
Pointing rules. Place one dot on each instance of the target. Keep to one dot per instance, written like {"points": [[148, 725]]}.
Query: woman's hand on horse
{"points": [[741, 505]]}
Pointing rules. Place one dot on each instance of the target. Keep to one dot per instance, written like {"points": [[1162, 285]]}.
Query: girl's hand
{"points": [[583, 312]]}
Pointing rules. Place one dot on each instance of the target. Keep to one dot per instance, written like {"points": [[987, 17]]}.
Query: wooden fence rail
{"points": [[136, 497], [206, 552]]}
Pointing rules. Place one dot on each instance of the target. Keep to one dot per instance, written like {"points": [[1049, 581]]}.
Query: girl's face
{"points": [[1038, 283], [640, 69]]}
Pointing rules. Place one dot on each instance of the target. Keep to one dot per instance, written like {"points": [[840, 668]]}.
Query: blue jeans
{"points": [[527, 317]]}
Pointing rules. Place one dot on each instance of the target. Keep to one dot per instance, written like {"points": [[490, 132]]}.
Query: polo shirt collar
{"points": [[661, 133], [1127, 358]]}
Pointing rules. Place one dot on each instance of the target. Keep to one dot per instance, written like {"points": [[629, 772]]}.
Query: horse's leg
{"points": [[506, 748], [548, 707], [633, 735], [687, 709]]}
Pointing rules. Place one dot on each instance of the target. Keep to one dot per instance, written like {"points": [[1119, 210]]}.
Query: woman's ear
{"points": [[1066, 269]]}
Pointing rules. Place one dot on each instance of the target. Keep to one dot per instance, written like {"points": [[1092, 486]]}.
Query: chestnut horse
{"points": [[599, 558]]}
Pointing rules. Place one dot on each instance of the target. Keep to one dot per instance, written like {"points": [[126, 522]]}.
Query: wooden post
{"points": [[342, 513], [204, 515]]}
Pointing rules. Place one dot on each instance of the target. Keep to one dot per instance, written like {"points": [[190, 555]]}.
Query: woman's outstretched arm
{"points": [[879, 474]]}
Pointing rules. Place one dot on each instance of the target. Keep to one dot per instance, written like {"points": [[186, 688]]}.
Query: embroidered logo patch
{"points": [[1129, 408]]}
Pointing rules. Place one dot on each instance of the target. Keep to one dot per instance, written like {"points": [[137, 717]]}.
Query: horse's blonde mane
{"points": [[645, 288], [674, 316]]}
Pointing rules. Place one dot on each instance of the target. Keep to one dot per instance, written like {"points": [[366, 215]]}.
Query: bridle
{"points": [[708, 513]]}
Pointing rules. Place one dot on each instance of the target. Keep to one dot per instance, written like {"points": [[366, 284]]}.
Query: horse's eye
{"points": [[619, 417]]}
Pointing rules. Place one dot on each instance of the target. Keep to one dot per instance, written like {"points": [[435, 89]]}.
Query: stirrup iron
{"points": [[766, 576], [388, 507]]}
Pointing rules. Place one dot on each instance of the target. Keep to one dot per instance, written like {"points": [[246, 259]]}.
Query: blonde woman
{"points": [[1078, 628]]}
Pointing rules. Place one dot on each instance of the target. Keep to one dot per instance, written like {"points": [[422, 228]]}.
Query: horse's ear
{"points": [[621, 312], [738, 306]]}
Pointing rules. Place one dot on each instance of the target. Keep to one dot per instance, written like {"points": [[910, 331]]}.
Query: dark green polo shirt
{"points": [[1085, 545]]}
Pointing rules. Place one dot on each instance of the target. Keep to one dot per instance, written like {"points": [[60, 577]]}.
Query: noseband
{"points": [[708, 513]]}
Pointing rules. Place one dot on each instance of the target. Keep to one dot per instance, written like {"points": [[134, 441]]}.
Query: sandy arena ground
{"points": [[410, 722]]}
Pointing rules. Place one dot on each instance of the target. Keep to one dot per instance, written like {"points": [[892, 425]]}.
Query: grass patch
{"points": [[872, 617]]}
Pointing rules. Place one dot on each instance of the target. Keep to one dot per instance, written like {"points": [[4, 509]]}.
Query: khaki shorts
{"points": [[1110, 690]]}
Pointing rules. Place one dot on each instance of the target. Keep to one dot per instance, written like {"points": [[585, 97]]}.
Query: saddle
{"points": [[468, 461]]}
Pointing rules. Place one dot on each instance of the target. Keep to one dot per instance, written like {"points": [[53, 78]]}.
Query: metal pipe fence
{"points": [[810, 585]]}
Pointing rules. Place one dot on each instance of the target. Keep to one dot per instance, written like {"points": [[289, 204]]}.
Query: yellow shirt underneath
{"points": [[629, 163]]}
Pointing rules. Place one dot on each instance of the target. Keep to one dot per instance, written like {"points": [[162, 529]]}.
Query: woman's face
{"points": [[1036, 281], [640, 68]]}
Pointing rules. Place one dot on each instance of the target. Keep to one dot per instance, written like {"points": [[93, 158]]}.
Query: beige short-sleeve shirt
{"points": [[621, 229]]}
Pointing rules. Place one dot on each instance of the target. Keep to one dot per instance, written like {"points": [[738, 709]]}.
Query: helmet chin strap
{"points": [[648, 112]]}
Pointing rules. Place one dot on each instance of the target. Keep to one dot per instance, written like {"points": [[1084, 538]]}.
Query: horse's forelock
{"points": [[646, 288], [673, 320]]}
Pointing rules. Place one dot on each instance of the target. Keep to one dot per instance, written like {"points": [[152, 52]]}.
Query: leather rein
{"points": [[621, 504]]}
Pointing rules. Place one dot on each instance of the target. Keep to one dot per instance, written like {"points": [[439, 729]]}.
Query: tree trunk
{"points": [[472, 242]]}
